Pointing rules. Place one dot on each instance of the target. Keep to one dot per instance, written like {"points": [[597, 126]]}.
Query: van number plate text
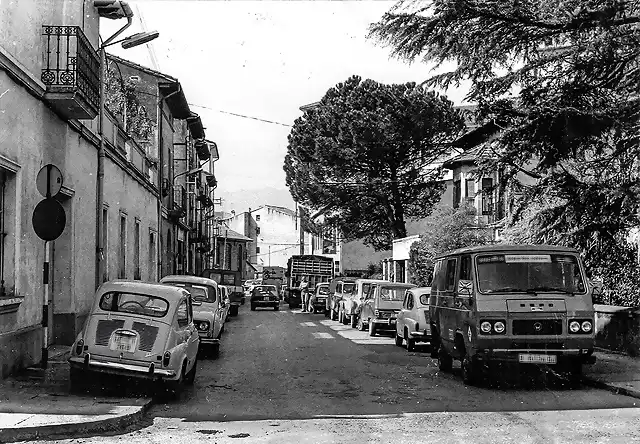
{"points": [[528, 358]]}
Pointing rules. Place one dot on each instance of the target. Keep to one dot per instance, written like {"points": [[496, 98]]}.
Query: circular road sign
{"points": [[49, 180], [49, 219], [266, 275]]}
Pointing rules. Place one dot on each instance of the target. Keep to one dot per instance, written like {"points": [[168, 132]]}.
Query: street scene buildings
{"points": [[248, 223]]}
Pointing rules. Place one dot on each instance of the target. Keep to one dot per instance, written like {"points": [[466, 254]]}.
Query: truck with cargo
{"points": [[316, 268]]}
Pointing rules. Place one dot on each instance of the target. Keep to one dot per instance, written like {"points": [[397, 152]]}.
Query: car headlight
{"points": [[499, 327], [574, 326], [586, 326], [203, 326], [485, 327]]}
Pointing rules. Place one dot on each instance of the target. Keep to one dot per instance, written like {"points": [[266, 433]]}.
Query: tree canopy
{"points": [[364, 156], [444, 230], [562, 77]]}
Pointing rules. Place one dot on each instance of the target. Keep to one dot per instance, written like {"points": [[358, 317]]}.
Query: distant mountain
{"points": [[242, 200]]}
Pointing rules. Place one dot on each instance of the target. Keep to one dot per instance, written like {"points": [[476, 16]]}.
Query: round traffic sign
{"points": [[49, 219], [49, 180], [266, 275]]}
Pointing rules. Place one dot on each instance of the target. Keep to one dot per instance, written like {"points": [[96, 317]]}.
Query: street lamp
{"points": [[111, 10]]}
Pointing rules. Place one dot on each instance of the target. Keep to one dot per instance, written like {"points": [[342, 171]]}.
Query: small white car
{"points": [[210, 308], [140, 330], [413, 321]]}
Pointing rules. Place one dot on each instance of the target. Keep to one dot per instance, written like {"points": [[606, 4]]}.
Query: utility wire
{"points": [[241, 115]]}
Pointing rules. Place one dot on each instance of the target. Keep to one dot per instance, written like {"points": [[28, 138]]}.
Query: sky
{"points": [[261, 59]]}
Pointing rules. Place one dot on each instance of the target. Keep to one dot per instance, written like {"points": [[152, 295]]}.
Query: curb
{"points": [[612, 388], [75, 430]]}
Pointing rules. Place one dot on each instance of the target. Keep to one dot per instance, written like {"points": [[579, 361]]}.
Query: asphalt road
{"points": [[296, 377]]}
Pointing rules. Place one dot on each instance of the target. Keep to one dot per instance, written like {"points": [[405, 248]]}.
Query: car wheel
{"points": [[276, 307], [234, 310], [77, 380], [214, 351], [326, 313], [372, 329], [399, 340], [434, 344], [253, 307], [340, 315], [445, 361], [190, 377], [361, 326], [411, 343]]}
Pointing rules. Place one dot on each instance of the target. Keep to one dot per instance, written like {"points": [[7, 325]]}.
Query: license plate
{"points": [[528, 358], [266, 299], [124, 343]]}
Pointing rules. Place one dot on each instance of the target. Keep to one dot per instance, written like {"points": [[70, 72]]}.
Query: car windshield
{"points": [[424, 299], [198, 293], [323, 290], [134, 303], [529, 273], [392, 293]]}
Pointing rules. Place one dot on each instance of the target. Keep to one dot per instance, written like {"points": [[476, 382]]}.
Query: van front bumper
{"points": [[585, 356]]}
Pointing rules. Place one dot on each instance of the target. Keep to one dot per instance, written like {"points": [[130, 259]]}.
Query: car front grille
{"points": [[105, 328], [148, 334], [537, 327]]}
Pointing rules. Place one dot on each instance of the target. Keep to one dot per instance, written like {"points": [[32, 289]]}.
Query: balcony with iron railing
{"points": [[71, 72]]}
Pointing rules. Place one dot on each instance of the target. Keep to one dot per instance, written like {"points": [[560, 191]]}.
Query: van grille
{"points": [[147, 334], [537, 327], [105, 328], [537, 346]]}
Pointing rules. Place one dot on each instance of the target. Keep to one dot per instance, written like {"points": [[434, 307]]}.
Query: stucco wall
{"points": [[278, 231]]}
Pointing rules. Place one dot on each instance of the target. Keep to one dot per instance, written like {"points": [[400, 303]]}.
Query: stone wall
{"points": [[618, 328]]}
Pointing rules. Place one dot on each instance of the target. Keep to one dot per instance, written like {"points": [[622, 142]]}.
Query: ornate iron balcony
{"points": [[71, 72]]}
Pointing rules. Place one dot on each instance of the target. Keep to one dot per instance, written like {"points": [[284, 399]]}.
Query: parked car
{"points": [[319, 297], [139, 330], [413, 323], [265, 296], [382, 305], [338, 290], [210, 308], [351, 304]]}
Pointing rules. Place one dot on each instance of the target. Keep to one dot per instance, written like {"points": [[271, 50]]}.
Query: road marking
{"points": [[322, 335], [308, 324], [373, 341]]}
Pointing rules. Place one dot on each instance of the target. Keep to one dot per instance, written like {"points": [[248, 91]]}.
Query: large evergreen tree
{"points": [[571, 72], [364, 155]]}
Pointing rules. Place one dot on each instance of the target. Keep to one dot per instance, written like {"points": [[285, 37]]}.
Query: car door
{"points": [[449, 313], [367, 305], [185, 330], [410, 312]]}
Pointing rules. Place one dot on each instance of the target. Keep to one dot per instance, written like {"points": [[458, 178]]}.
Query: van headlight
{"points": [[485, 327], [499, 327], [574, 326], [586, 326]]}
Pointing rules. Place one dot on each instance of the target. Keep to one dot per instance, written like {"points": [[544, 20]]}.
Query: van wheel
{"points": [[445, 361], [399, 340], [470, 371], [574, 374], [434, 344]]}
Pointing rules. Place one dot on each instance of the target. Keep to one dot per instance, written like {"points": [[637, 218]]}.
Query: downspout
{"points": [[160, 177], [99, 272]]}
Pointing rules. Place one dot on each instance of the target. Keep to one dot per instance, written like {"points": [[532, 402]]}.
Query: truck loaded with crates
{"points": [[316, 268]]}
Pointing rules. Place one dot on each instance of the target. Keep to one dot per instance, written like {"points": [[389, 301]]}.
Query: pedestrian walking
{"points": [[304, 293]]}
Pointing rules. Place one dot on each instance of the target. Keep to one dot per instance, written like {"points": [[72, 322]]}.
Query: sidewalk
{"points": [[38, 404], [616, 372]]}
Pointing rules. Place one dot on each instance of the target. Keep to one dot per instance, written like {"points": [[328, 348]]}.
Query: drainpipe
{"points": [[160, 177], [101, 156]]}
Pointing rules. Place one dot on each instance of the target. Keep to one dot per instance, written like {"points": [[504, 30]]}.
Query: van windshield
{"points": [[529, 273]]}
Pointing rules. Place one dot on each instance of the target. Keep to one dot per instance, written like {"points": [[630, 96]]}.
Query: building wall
{"points": [[279, 236]]}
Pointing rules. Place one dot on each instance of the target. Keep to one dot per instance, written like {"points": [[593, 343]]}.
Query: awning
{"points": [[175, 99], [195, 126]]}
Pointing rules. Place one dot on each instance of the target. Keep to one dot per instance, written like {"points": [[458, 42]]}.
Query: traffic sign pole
{"points": [[45, 307]]}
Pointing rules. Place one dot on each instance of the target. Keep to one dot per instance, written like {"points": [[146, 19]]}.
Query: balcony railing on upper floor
{"points": [[71, 72]]}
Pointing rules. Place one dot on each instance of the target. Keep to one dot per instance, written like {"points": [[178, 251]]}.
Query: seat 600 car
{"points": [[209, 308], [382, 305], [137, 329]]}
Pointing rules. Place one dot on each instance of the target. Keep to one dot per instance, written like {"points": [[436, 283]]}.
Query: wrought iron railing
{"points": [[180, 197], [70, 61]]}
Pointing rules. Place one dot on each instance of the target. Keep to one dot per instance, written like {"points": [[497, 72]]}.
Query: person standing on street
{"points": [[304, 293]]}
